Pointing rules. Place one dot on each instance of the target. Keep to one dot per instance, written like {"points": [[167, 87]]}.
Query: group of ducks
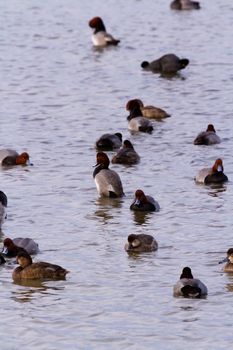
{"points": [[108, 182], [23, 248]]}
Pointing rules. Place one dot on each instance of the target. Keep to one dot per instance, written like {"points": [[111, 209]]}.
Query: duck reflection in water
{"points": [[216, 189], [106, 207], [33, 288], [141, 217]]}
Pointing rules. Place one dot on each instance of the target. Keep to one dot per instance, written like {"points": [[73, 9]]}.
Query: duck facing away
{"points": [[3, 206], [214, 175], [136, 120], [10, 157], [11, 248], [36, 271], [229, 261], [208, 137], [140, 243], [167, 64], [107, 181], [189, 287], [152, 112], [185, 5], [126, 154], [143, 202], [109, 142], [100, 37]]}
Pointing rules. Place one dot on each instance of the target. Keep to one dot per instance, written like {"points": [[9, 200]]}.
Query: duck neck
{"points": [[98, 168], [100, 28], [134, 113]]}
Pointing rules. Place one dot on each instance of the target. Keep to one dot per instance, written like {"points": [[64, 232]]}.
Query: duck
{"points": [[136, 120], [167, 64], [208, 137], [107, 181], [109, 142], [10, 157], [229, 261], [126, 154], [143, 202], [12, 247], [189, 287], [185, 5], [36, 271], [139, 243], [152, 112], [3, 206], [214, 175], [100, 37]]}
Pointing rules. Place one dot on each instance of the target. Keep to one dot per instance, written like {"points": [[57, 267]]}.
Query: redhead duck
{"points": [[2, 260], [189, 287], [167, 64], [212, 175], [208, 137], [40, 270], [229, 261], [109, 142], [107, 181], [152, 112], [100, 37], [3, 205], [144, 203], [126, 154], [141, 243], [136, 121], [185, 5], [12, 247], [11, 157]]}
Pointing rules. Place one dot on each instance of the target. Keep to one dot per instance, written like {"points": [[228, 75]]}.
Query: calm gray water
{"points": [[58, 95]]}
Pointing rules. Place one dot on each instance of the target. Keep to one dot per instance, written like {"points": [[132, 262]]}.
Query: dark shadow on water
{"points": [[33, 288], [105, 208], [216, 189], [141, 217], [173, 76]]}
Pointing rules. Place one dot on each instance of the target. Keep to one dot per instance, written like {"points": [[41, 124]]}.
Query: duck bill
{"points": [[28, 163], [4, 250], [137, 202], [223, 261]]}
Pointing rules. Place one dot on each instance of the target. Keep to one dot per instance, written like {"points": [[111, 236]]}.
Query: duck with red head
{"points": [[36, 271], [11, 248], [189, 287], [136, 121], [208, 137], [144, 202], [107, 181], [100, 37], [168, 64], [141, 243], [10, 157], [214, 175], [3, 206], [126, 154]]}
